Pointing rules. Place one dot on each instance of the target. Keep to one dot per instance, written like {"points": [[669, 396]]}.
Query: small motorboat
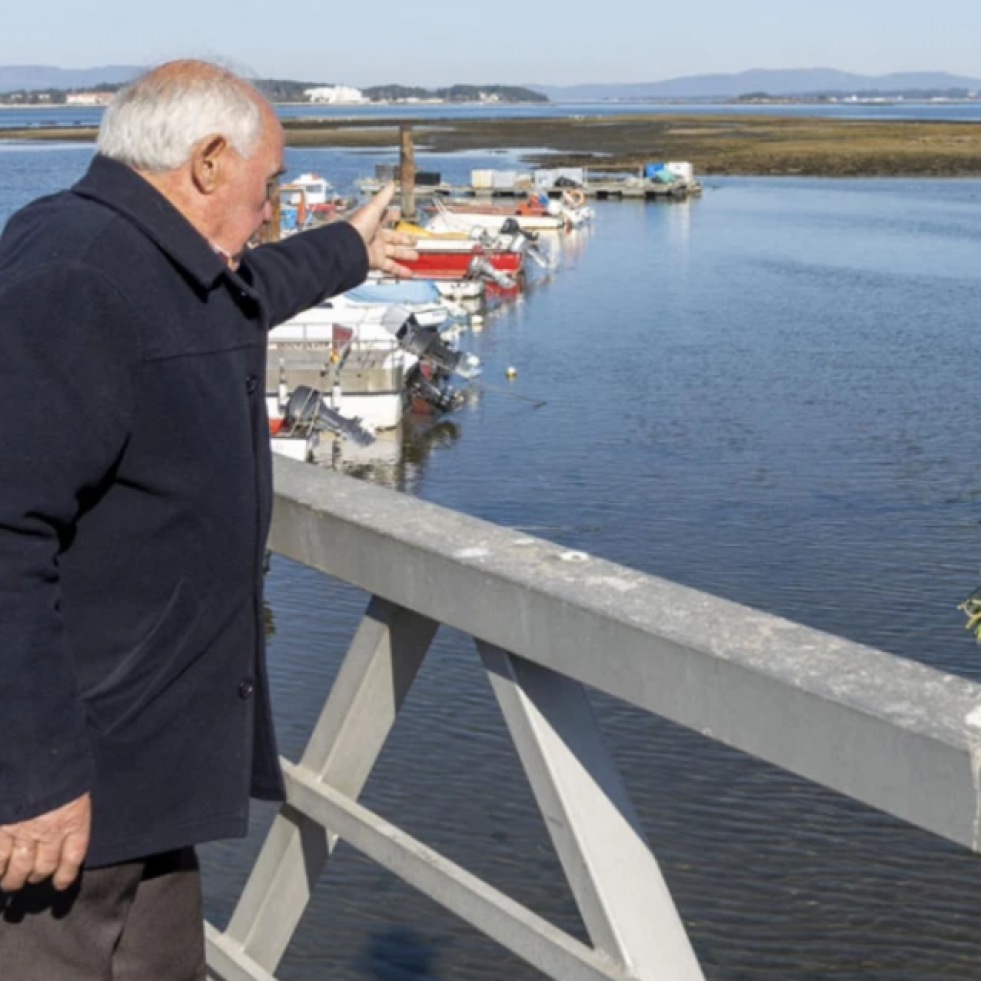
{"points": [[509, 238], [533, 213], [445, 220], [308, 200], [366, 359], [454, 264], [419, 296], [455, 290]]}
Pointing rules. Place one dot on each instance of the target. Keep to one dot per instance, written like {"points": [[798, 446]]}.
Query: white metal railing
{"points": [[546, 621]]}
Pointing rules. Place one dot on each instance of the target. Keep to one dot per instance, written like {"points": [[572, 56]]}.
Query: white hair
{"points": [[154, 123]]}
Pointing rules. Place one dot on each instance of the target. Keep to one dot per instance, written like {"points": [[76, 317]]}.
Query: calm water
{"points": [[768, 393], [90, 116]]}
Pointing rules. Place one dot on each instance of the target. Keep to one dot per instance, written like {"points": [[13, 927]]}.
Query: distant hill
{"points": [[778, 82], [455, 93], [16, 77], [285, 90], [775, 82], [34, 78]]}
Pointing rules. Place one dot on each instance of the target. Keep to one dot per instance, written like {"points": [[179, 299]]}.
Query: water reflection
{"points": [[397, 953], [397, 458]]}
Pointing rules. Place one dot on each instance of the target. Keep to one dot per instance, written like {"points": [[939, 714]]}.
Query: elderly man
{"points": [[134, 505]]}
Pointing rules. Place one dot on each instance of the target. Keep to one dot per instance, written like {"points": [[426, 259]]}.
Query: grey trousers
{"points": [[138, 921]]}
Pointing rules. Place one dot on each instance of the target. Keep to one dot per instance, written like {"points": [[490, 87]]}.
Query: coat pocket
{"points": [[150, 668]]}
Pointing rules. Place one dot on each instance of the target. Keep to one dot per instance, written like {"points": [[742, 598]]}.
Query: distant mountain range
{"points": [[778, 82], [15, 77]]}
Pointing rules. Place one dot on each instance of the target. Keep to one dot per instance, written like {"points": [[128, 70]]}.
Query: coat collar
{"points": [[119, 187]]}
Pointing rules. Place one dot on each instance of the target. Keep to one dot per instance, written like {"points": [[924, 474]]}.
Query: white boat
{"points": [[457, 221], [505, 239], [306, 201], [310, 189], [295, 442], [347, 354], [460, 289], [365, 360], [448, 289], [535, 213], [419, 296], [576, 217]]}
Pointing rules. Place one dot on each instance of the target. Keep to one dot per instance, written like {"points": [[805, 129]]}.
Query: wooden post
{"points": [[407, 172], [269, 232]]}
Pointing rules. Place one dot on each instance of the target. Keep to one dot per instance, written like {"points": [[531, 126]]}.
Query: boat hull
{"points": [[454, 265], [460, 221]]}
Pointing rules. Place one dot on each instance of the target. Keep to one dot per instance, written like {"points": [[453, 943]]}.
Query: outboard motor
{"points": [[427, 345], [479, 268], [431, 387], [306, 407], [511, 227], [524, 241]]}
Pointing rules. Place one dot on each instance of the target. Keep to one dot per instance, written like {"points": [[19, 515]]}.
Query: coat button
{"points": [[251, 384], [246, 687]]}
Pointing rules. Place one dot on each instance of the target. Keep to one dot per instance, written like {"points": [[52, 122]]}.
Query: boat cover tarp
{"points": [[406, 291]]}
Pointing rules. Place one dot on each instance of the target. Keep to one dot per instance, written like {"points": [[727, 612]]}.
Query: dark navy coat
{"points": [[135, 494]]}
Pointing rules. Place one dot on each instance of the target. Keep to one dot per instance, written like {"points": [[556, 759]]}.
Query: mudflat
{"points": [[715, 144]]}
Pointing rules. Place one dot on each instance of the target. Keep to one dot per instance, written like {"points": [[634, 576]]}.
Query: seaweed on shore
{"points": [[715, 144]]}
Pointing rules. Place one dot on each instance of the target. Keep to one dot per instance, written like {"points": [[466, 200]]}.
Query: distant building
{"points": [[335, 94], [88, 98]]}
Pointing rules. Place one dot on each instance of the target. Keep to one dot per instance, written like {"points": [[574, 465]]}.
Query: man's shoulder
{"points": [[65, 229]]}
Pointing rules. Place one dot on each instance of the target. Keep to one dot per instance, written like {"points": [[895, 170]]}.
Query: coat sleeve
{"points": [[66, 370], [303, 270]]}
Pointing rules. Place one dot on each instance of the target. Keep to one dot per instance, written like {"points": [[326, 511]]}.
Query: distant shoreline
{"points": [[765, 145], [42, 106]]}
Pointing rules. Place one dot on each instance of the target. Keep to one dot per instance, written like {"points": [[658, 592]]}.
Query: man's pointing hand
{"points": [[385, 246]]}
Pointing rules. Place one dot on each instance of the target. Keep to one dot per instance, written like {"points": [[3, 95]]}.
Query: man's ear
{"points": [[206, 162]]}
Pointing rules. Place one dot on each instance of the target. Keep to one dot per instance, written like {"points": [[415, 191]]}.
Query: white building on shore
{"points": [[335, 94], [88, 98]]}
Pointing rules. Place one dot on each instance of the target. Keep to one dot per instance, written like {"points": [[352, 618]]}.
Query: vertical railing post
{"points": [[376, 675], [622, 896]]}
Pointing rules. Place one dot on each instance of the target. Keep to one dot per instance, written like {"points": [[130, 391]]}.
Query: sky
{"points": [[433, 43]]}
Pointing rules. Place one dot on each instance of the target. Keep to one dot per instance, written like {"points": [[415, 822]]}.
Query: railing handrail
{"points": [[885, 730], [546, 621]]}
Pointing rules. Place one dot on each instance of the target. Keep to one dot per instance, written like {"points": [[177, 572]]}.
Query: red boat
{"points": [[433, 264]]}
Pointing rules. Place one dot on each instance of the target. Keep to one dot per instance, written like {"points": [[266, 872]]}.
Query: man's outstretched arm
{"points": [[306, 268]]}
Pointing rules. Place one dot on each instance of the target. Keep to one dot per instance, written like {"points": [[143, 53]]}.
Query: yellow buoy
{"points": [[511, 372]]}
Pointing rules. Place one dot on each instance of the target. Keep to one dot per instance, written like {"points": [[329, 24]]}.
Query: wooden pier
{"points": [[612, 189], [629, 187]]}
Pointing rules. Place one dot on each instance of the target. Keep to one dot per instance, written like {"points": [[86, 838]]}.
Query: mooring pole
{"points": [[407, 172], [270, 230]]}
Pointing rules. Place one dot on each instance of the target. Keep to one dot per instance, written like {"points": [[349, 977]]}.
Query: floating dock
{"points": [[656, 181], [614, 189]]}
